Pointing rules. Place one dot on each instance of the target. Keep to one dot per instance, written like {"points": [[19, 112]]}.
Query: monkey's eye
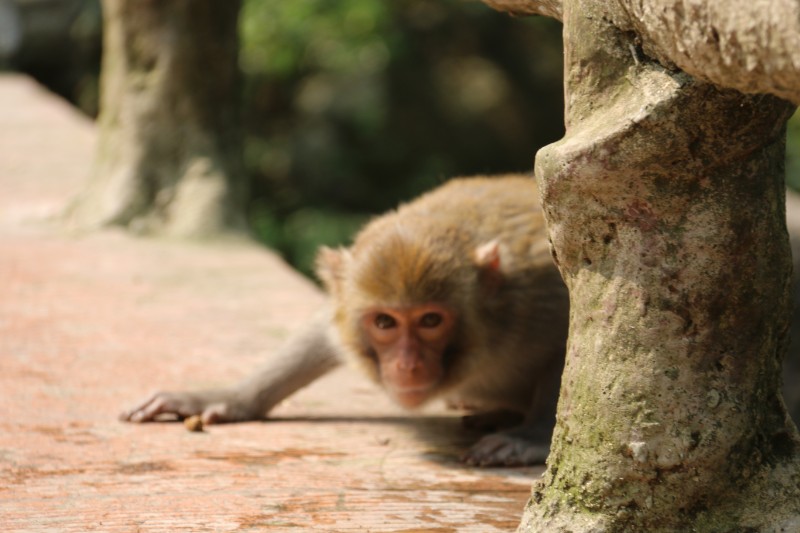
{"points": [[430, 320], [384, 321]]}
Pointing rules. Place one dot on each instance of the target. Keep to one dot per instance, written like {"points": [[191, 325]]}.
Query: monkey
{"points": [[454, 295]]}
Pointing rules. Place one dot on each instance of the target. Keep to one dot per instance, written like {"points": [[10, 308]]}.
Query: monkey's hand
{"points": [[213, 406], [519, 446]]}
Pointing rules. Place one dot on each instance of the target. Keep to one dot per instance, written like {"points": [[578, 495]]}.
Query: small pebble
{"points": [[193, 423]]}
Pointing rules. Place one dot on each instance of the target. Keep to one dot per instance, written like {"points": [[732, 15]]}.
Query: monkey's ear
{"points": [[330, 267], [487, 259], [487, 255]]}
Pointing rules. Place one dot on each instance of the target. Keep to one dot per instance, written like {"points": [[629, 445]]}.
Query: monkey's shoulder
{"points": [[486, 208]]}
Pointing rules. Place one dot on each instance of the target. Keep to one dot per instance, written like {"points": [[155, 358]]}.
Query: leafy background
{"points": [[353, 106]]}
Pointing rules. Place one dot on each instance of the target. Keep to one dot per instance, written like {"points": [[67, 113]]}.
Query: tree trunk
{"points": [[169, 157], [665, 205]]}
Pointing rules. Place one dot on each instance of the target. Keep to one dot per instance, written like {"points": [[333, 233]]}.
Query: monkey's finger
{"points": [[502, 449], [216, 414], [147, 411], [485, 451], [129, 414]]}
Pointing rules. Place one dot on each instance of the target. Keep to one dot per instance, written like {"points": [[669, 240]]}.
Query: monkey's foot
{"points": [[214, 407], [521, 446]]}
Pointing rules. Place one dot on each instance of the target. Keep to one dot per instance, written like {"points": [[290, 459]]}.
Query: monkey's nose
{"points": [[409, 361]]}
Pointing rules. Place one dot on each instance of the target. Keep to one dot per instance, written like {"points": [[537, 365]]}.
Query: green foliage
{"points": [[355, 105], [283, 39]]}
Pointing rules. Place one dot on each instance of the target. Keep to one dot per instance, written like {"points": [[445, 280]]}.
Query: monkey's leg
{"points": [[529, 442], [307, 355]]}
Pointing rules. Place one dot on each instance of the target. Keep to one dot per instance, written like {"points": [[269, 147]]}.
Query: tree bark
{"points": [[169, 159], [749, 45], [752, 46], [548, 8], [666, 210]]}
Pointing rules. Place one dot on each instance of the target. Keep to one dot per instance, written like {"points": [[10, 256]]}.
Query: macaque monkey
{"points": [[452, 296]]}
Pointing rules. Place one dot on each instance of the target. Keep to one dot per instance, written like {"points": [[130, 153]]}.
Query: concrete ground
{"points": [[92, 323]]}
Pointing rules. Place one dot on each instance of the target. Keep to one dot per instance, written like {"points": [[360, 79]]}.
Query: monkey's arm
{"points": [[307, 355]]}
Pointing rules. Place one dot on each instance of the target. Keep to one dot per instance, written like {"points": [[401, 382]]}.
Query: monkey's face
{"points": [[410, 344]]}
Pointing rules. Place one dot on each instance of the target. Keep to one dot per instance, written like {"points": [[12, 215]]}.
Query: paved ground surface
{"points": [[89, 324]]}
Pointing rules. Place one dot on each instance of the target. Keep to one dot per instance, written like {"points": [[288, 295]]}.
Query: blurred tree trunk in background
{"points": [[169, 158]]}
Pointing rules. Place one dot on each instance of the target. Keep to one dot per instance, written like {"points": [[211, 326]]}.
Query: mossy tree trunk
{"points": [[169, 159], [666, 210]]}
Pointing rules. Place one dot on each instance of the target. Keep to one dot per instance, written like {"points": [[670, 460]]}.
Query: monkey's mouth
{"points": [[413, 396]]}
